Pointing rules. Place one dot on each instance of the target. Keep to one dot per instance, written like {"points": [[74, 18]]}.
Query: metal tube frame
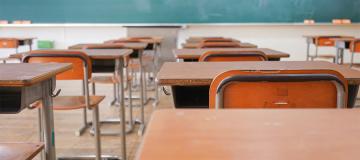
{"points": [[219, 98]]}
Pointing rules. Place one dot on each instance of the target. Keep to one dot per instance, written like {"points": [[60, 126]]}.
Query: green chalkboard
{"points": [[178, 11]]}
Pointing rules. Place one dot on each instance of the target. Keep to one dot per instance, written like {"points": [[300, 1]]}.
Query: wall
{"points": [[284, 37]]}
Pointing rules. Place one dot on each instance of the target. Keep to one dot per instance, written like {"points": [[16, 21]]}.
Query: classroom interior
{"points": [[179, 80]]}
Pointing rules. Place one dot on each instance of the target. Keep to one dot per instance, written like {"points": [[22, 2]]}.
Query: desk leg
{"points": [[142, 95], [337, 55], [120, 64], [156, 65], [48, 121], [342, 56], [308, 48]]}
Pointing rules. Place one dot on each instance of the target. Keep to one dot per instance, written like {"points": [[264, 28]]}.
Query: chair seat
{"points": [[327, 56], [106, 79], [71, 102]]}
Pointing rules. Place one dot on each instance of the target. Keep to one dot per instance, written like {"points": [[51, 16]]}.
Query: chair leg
{"points": [[85, 124], [96, 127]]}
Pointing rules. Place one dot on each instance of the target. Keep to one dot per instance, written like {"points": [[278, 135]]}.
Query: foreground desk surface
{"points": [[202, 73], [252, 135], [19, 151], [196, 77], [196, 53], [21, 74]]}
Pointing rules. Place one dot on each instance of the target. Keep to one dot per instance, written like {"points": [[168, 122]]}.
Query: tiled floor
{"points": [[23, 127]]}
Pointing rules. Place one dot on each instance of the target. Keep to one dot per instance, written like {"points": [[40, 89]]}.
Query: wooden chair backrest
{"points": [[228, 56], [278, 89], [79, 60]]}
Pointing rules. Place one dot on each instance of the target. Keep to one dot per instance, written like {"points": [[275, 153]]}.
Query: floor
{"points": [[23, 127]]}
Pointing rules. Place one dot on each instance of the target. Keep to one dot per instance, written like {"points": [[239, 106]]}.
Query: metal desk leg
{"points": [[156, 65], [120, 63], [342, 56], [337, 55], [48, 121], [142, 87], [308, 42]]}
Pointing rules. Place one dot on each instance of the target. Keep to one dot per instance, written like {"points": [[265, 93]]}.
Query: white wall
{"points": [[284, 37], [62, 36]]}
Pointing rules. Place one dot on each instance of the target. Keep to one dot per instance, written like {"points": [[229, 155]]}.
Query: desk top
{"points": [[92, 53], [135, 46], [345, 39], [197, 45], [317, 36], [199, 39], [296, 134], [106, 53], [196, 53], [26, 74], [19, 151], [202, 73], [150, 40], [18, 38]]}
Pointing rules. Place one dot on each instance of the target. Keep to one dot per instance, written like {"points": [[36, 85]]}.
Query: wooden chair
{"points": [[81, 71], [354, 48], [226, 56], [324, 41], [279, 89], [220, 45]]}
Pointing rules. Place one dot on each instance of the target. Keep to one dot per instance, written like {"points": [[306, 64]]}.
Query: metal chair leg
{"points": [[97, 138], [85, 126]]}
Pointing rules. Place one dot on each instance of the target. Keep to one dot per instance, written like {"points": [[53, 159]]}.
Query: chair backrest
{"points": [[326, 41], [355, 46], [220, 45], [228, 56], [80, 61], [9, 43], [279, 89]]}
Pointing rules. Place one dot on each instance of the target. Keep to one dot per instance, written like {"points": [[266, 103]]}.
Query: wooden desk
{"points": [[194, 54], [311, 39], [5, 42], [19, 151], [116, 57], [196, 77], [27, 84], [316, 134], [197, 45]]}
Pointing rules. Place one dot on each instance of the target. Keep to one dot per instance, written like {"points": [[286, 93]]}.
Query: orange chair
{"points": [[81, 71], [279, 89], [354, 48], [220, 45], [226, 56], [324, 41]]}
